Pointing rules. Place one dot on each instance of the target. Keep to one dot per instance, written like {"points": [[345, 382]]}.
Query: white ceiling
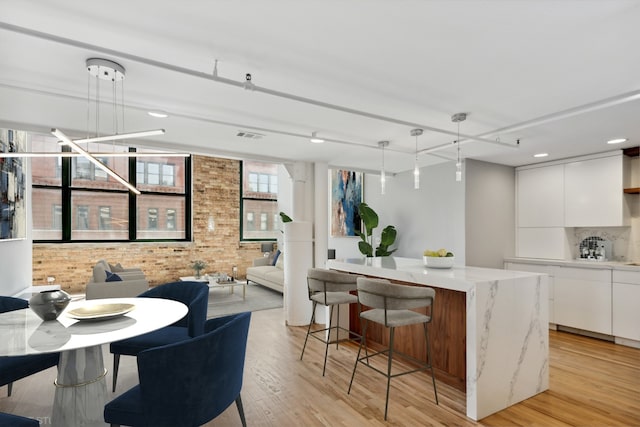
{"points": [[413, 63]]}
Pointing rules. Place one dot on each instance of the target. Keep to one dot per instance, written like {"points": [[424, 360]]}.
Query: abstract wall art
{"points": [[13, 211], [346, 195]]}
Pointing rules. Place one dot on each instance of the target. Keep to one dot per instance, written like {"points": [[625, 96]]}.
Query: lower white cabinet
{"points": [[582, 299], [626, 304]]}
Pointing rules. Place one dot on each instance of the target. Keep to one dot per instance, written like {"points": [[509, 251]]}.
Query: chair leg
{"points": [[116, 364], [386, 402], [241, 411], [9, 388], [433, 377], [363, 341], [313, 318], [327, 340], [337, 325]]}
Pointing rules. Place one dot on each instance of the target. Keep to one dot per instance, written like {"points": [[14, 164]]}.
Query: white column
{"points": [[321, 214], [298, 259]]}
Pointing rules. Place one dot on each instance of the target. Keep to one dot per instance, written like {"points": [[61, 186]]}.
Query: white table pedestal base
{"points": [[81, 389]]}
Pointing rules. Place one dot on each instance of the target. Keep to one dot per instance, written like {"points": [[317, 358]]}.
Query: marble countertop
{"points": [[412, 270], [602, 265]]}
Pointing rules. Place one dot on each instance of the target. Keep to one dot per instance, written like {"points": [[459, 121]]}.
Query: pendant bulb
{"points": [[416, 177], [383, 177], [458, 172]]}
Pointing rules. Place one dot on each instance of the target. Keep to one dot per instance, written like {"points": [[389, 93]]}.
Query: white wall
{"points": [[429, 218], [490, 213]]}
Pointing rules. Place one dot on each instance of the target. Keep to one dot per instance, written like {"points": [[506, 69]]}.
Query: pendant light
{"points": [[383, 178], [416, 169], [457, 118]]}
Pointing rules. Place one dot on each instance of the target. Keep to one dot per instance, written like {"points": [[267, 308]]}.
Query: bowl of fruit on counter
{"points": [[441, 258]]}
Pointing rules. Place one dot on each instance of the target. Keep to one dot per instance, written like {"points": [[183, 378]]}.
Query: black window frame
{"points": [[67, 190], [256, 222]]}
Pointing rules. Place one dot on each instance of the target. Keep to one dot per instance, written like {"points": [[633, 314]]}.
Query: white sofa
{"points": [[265, 274], [133, 282]]}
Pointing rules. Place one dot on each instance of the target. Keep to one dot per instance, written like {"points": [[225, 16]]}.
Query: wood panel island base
{"points": [[489, 332]]}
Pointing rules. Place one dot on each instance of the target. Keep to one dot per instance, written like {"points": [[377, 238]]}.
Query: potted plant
{"points": [[370, 221], [198, 265]]}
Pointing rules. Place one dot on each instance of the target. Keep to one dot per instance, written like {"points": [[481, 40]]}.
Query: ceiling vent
{"points": [[250, 135]]}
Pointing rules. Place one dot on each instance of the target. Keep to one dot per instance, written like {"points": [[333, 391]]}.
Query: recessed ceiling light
{"points": [[617, 141], [158, 113], [315, 139], [541, 155]]}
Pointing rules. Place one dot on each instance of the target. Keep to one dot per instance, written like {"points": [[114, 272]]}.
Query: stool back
{"points": [[321, 280], [382, 294]]}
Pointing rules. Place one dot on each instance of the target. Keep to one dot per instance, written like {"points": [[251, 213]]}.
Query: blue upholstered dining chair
{"points": [[194, 295], [188, 383], [13, 368], [9, 420]]}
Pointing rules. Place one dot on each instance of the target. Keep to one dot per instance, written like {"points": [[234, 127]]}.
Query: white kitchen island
{"points": [[506, 336]]}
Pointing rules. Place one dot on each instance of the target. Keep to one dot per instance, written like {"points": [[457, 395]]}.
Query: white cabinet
{"points": [[536, 268], [582, 298], [540, 196], [626, 304], [593, 192], [538, 242]]}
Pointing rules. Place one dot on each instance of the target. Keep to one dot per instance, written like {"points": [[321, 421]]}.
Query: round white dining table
{"points": [[81, 388]]}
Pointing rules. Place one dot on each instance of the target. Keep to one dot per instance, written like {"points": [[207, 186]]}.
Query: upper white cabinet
{"points": [[593, 192], [541, 196]]}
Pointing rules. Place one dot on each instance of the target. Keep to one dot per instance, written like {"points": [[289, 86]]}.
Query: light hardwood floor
{"points": [[592, 383]]}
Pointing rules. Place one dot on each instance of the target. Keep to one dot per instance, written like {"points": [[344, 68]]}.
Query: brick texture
{"points": [[216, 191]]}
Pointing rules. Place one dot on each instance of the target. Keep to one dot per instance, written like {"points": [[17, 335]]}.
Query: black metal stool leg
{"points": [[363, 341], [389, 362], [433, 377], [313, 318], [328, 340]]}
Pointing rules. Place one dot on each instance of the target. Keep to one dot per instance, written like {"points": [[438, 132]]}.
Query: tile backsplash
{"points": [[625, 240]]}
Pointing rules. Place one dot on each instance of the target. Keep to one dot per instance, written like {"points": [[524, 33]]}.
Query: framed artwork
{"points": [[13, 210], [346, 195]]}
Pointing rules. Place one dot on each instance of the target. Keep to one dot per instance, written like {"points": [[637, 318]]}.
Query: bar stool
{"points": [[391, 306], [329, 288]]}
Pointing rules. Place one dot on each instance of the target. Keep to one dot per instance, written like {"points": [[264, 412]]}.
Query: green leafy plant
{"points": [[370, 221], [198, 265], [284, 217]]}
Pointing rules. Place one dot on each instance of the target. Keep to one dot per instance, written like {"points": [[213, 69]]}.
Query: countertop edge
{"points": [[601, 265]]}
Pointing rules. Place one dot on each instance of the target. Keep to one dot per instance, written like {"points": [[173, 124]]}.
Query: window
{"points": [[82, 218], [73, 201], [171, 219], [259, 203], [104, 220], [152, 218], [154, 173], [56, 222], [263, 221], [251, 222], [168, 174]]}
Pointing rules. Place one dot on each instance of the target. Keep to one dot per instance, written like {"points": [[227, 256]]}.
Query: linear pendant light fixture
{"points": [[457, 118], [67, 141], [383, 178], [416, 169]]}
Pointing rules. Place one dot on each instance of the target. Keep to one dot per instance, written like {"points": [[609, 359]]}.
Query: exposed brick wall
{"points": [[216, 191]]}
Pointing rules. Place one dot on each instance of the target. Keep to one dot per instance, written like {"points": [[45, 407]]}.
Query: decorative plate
{"points": [[100, 311]]}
